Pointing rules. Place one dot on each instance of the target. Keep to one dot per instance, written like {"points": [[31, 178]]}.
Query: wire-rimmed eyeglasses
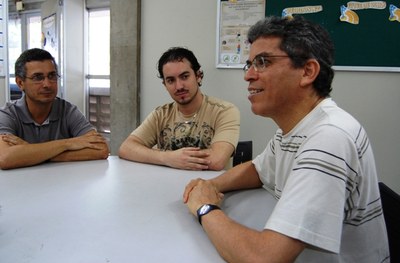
{"points": [[261, 62], [39, 78]]}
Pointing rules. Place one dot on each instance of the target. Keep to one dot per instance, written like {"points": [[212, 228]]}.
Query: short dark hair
{"points": [[175, 54], [34, 54], [301, 40]]}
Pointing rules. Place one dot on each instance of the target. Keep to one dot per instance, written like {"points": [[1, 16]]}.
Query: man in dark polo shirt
{"points": [[40, 126]]}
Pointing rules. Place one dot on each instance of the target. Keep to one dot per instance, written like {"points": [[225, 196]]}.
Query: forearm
{"points": [[30, 154], [243, 176], [238, 243], [189, 158], [229, 238], [83, 154], [217, 163], [219, 155], [140, 153]]}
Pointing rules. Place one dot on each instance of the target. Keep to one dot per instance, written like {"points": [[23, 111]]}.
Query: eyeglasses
{"points": [[261, 62], [39, 78]]}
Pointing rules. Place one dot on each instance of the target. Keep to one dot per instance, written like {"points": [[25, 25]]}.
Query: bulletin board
{"points": [[366, 34]]}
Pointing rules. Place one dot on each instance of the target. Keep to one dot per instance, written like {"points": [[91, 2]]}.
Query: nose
{"points": [[179, 84], [250, 74], [46, 81]]}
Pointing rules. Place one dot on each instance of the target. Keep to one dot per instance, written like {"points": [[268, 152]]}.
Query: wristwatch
{"points": [[205, 209]]}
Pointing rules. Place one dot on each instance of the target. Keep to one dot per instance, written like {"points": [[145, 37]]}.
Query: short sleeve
{"points": [[228, 126], [8, 123], [78, 125], [147, 130]]}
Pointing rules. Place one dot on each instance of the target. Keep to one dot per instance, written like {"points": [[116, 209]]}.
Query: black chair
{"points": [[244, 152], [391, 211]]}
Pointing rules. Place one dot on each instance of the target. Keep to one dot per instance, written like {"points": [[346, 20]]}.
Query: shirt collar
{"points": [[26, 116]]}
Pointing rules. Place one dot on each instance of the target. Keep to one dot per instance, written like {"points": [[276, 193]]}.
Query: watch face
{"points": [[204, 209]]}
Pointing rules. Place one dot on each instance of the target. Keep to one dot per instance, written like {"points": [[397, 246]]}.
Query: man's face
{"points": [[181, 81], [273, 89], [35, 90]]}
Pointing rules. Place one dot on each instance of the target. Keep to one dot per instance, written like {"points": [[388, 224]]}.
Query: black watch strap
{"points": [[205, 209]]}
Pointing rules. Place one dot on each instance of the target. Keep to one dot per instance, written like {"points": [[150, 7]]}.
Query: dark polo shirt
{"points": [[64, 121]]}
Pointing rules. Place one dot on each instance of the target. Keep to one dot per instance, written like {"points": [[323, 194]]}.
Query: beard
{"points": [[183, 101]]}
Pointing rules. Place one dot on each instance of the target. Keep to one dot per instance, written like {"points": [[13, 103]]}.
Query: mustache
{"points": [[181, 90]]}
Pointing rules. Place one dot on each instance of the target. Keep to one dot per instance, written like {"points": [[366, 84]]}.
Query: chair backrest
{"points": [[391, 211], [243, 153]]}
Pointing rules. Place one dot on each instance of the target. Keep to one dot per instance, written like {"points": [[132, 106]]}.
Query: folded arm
{"points": [[95, 148], [237, 243], [242, 176], [189, 158], [219, 155], [15, 152]]}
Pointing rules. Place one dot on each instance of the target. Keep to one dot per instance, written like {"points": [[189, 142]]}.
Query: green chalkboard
{"points": [[373, 42]]}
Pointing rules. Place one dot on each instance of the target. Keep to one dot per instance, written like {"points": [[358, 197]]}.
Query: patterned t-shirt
{"points": [[167, 129]]}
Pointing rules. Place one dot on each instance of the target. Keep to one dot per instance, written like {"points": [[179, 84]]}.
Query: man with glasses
{"points": [[319, 165], [41, 127]]}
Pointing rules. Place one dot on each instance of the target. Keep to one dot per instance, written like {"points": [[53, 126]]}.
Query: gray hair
{"points": [[34, 54], [301, 40]]}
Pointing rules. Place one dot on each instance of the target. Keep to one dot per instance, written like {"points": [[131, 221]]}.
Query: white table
{"points": [[110, 211]]}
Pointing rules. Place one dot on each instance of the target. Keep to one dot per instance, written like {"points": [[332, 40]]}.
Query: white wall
{"points": [[372, 97]]}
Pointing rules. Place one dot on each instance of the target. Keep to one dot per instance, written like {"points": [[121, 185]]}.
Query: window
{"points": [[14, 50], [98, 78], [14, 41], [34, 31], [24, 32], [99, 42]]}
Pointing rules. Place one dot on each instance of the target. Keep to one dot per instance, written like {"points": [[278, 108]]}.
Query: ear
{"points": [[310, 72], [199, 75], [20, 82]]}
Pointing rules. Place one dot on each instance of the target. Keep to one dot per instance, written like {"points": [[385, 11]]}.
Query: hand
{"points": [[189, 187], [89, 140], [12, 140], [188, 158], [199, 192]]}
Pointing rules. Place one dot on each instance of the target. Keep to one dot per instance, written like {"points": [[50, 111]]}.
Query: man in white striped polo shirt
{"points": [[319, 164]]}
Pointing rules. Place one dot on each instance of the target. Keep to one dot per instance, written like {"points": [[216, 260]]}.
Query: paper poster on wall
{"points": [[235, 17], [49, 35]]}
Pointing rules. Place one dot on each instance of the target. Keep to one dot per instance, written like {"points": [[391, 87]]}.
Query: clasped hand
{"points": [[199, 192], [90, 140], [189, 158]]}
